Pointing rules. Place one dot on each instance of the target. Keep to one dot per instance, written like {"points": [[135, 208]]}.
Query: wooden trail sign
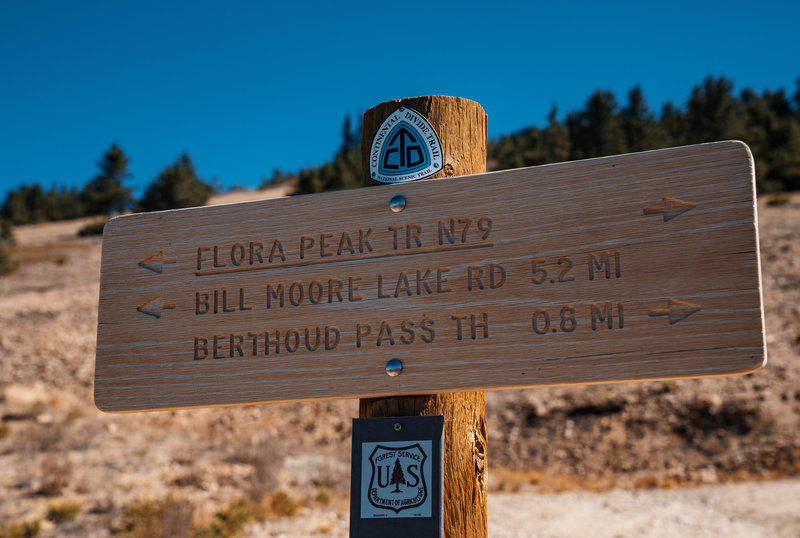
{"points": [[639, 266]]}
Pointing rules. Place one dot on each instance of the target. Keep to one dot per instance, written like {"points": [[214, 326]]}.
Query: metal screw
{"points": [[398, 426], [397, 203], [394, 367]]}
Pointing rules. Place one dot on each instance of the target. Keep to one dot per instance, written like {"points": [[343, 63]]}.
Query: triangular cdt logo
{"points": [[405, 148], [398, 479], [404, 151]]}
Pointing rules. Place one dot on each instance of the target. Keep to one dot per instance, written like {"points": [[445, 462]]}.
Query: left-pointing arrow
{"points": [[155, 306], [156, 262]]}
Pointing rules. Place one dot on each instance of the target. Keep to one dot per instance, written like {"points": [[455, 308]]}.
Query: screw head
{"points": [[394, 367], [397, 203], [398, 426]]}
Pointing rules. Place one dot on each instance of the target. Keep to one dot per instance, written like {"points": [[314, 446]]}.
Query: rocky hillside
{"points": [[67, 469]]}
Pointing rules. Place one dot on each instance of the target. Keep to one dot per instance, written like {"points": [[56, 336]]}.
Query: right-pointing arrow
{"points": [[676, 310], [672, 208], [155, 306]]}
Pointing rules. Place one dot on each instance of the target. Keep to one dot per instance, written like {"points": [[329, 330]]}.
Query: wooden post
{"points": [[461, 126]]}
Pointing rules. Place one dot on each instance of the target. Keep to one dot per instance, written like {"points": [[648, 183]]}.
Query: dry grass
{"points": [[60, 512], [278, 505], [23, 529], [784, 464], [264, 456], [29, 254], [323, 496], [175, 518], [55, 473], [167, 518], [228, 521], [51, 443], [324, 528], [779, 199], [513, 481]]}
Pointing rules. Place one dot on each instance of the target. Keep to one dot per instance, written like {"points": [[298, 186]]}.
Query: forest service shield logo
{"points": [[398, 474]]}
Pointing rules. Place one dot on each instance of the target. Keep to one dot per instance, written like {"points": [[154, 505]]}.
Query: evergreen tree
{"points": [[768, 123], [70, 205], [714, 113], [397, 476], [350, 140], [797, 100], [556, 139], [35, 201], [15, 208], [343, 173], [6, 240], [642, 131], [175, 187], [518, 150], [7, 232], [597, 129], [673, 125], [105, 194]]}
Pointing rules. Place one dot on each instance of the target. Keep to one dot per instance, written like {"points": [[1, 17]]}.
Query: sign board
{"points": [[639, 266], [397, 479]]}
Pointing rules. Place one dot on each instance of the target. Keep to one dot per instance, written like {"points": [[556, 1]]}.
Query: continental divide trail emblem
{"points": [[405, 148], [398, 476]]}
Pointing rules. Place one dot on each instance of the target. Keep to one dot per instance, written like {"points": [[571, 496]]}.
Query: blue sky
{"points": [[247, 87]]}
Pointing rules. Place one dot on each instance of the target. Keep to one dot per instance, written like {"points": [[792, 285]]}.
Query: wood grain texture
{"points": [[705, 256], [461, 126]]}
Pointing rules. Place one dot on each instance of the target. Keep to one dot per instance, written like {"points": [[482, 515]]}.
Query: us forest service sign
{"points": [[405, 148], [395, 478], [397, 485], [638, 266]]}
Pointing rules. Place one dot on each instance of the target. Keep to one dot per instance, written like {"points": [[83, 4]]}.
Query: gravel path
{"points": [[763, 509]]}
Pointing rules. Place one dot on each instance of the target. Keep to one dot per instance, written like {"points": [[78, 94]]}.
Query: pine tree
{"points": [[556, 139], [796, 97], [15, 208], [714, 113], [350, 140], [105, 194], [7, 231], [597, 129], [344, 172], [642, 131], [397, 476], [673, 124], [6, 240], [175, 187]]}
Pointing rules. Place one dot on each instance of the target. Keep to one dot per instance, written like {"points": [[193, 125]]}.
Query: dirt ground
{"points": [[703, 457], [742, 510]]}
